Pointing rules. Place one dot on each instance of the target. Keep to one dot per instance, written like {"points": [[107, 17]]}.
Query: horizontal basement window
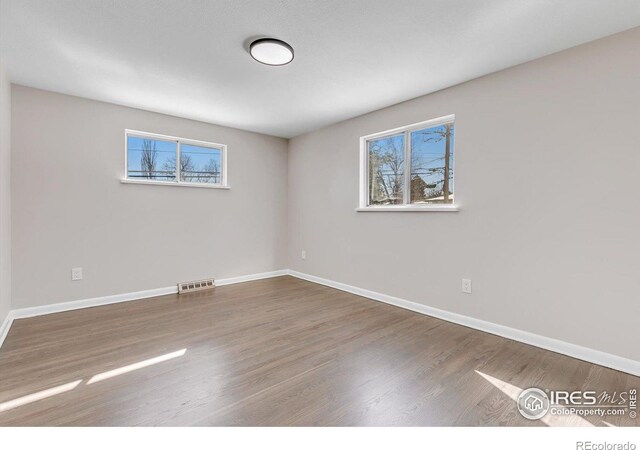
{"points": [[166, 160]]}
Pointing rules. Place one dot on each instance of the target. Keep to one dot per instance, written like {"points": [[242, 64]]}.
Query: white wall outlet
{"points": [[466, 286], [76, 274], [303, 255]]}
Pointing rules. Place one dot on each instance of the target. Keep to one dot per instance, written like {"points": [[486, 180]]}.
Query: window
{"points": [[151, 159], [409, 168]]}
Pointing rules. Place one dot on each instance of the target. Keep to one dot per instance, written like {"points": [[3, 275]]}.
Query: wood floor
{"points": [[280, 351]]}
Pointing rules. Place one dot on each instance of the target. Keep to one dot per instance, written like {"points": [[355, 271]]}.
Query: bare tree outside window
{"points": [[154, 158], [212, 169], [148, 158], [442, 187], [427, 153], [386, 170], [191, 171], [201, 164], [186, 165]]}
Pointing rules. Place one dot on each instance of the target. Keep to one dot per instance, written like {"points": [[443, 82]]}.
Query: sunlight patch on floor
{"points": [[136, 366], [6, 406], [41, 395], [551, 420]]}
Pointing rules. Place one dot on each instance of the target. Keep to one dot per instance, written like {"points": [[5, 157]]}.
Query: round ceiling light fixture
{"points": [[272, 52]]}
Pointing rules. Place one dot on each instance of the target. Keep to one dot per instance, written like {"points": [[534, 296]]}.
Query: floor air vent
{"points": [[192, 286]]}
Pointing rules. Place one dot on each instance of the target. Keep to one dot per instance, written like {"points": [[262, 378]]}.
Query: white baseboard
{"points": [[253, 277], [554, 345], [575, 351], [4, 328], [118, 298], [33, 311]]}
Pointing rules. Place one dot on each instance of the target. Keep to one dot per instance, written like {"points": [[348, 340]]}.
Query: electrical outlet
{"points": [[466, 286], [76, 274], [304, 254]]}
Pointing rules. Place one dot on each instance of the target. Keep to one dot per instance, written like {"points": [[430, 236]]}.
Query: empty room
{"points": [[321, 215]]}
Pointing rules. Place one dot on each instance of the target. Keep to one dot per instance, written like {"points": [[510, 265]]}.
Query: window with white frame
{"points": [[409, 167], [153, 158]]}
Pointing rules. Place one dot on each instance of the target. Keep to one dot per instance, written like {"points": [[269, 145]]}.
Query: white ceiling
{"points": [[188, 58]]}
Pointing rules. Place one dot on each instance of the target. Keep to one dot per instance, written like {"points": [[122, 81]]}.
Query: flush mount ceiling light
{"points": [[272, 52]]}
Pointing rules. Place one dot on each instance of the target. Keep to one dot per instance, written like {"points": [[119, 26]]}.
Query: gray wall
{"points": [[547, 163], [70, 209], [5, 195]]}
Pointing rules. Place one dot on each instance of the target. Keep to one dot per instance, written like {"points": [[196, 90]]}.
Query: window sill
{"points": [[431, 208], [171, 183]]}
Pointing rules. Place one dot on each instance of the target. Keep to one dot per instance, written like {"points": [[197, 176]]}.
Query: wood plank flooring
{"points": [[280, 351]]}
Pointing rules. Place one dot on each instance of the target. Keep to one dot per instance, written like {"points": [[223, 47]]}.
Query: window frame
{"points": [[224, 182], [406, 130]]}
